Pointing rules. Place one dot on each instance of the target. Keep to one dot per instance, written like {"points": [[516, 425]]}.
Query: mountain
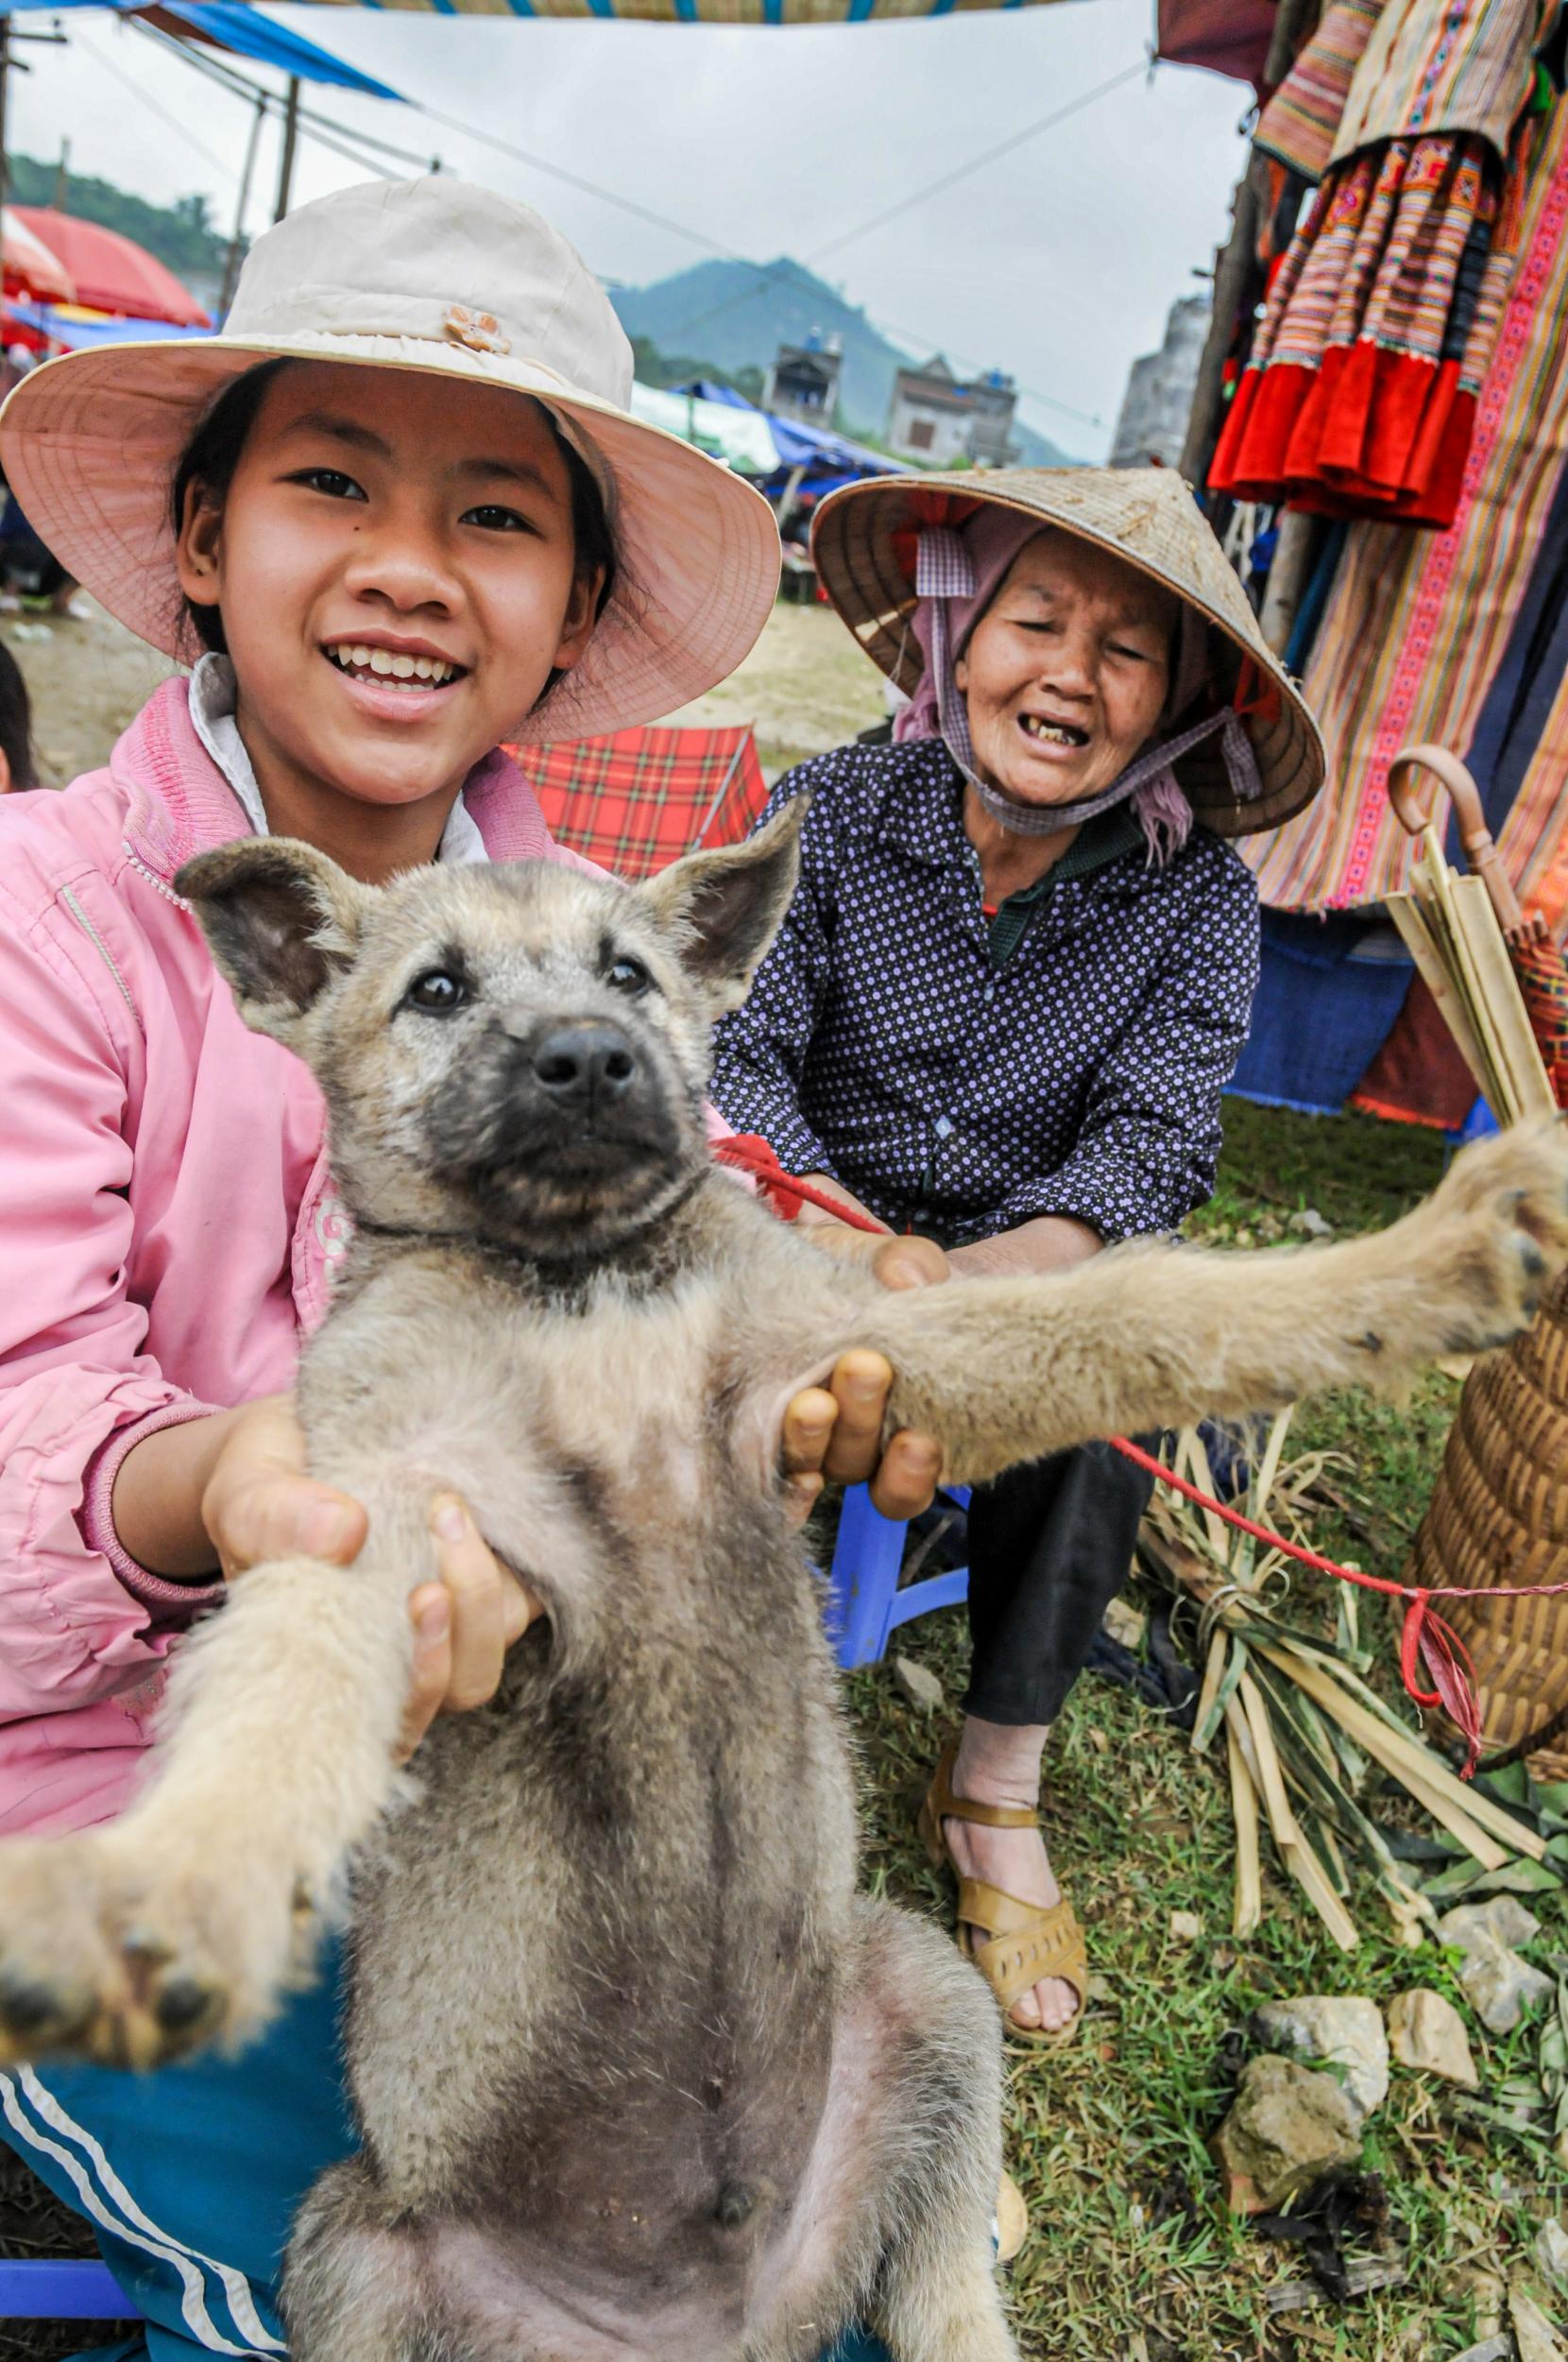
{"points": [[737, 314]]}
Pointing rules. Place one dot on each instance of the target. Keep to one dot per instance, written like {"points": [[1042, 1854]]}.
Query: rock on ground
{"points": [[1550, 2250], [1497, 1983], [1289, 2125], [918, 1684], [1426, 2032], [1533, 2333], [1346, 2032]]}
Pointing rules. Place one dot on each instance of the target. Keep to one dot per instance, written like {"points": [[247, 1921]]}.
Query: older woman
{"points": [[1006, 1000]]}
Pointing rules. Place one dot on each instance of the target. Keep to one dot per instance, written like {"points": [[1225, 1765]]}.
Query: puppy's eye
{"points": [[627, 975], [437, 992]]}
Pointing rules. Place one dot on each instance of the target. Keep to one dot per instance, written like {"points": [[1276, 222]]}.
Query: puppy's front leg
{"points": [[1005, 1370], [181, 1922]]}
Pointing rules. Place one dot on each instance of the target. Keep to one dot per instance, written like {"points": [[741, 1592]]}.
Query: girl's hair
{"points": [[16, 723], [214, 453]]}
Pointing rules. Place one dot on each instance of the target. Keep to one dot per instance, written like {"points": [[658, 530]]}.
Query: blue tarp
{"points": [[75, 335], [827, 455], [234, 26]]}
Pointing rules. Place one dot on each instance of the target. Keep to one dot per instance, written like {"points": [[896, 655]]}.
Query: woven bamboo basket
{"points": [[1499, 1515]]}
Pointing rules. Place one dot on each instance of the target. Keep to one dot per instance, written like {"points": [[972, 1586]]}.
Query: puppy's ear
{"points": [[724, 908], [282, 920]]}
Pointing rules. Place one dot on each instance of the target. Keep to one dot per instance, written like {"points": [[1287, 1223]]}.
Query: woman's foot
{"points": [[1000, 1764]]}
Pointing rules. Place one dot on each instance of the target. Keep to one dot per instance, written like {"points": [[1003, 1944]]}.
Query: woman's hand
{"points": [[835, 1430], [258, 1504]]}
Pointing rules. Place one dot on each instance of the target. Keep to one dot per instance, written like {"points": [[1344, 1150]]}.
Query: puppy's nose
{"points": [[584, 1065]]}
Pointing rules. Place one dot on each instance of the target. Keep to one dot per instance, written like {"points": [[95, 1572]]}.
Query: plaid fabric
{"points": [[637, 800]]}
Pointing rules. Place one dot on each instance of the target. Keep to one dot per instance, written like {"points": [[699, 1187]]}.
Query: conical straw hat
{"points": [[863, 542]]}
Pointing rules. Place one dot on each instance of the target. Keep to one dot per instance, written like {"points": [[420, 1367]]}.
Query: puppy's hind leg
{"points": [[353, 2288], [937, 2147]]}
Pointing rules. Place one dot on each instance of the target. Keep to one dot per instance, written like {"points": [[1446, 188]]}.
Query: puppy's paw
{"points": [[1496, 1235], [134, 1956]]}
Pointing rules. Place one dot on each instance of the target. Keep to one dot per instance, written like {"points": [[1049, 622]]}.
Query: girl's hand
{"points": [[835, 1430], [259, 1504]]}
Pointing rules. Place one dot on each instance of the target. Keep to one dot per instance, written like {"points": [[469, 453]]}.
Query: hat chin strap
{"points": [[942, 570]]}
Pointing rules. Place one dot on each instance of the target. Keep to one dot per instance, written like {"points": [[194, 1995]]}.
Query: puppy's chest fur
{"points": [[573, 1856]]}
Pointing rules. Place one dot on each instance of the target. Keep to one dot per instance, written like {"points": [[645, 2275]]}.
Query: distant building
{"points": [[1160, 387], [803, 381], [938, 417]]}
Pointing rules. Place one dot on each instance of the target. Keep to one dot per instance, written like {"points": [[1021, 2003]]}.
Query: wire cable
{"points": [[961, 172], [220, 165], [238, 84]]}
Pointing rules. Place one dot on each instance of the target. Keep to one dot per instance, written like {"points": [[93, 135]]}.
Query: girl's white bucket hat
{"points": [[435, 275]]}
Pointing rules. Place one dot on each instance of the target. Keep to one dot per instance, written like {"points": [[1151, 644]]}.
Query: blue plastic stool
{"points": [[864, 1604], [80, 2290]]}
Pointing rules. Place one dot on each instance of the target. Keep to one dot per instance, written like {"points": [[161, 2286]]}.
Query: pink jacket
{"points": [[166, 1227]]}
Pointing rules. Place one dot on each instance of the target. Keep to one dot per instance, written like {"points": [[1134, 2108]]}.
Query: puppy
{"points": [[639, 2076]]}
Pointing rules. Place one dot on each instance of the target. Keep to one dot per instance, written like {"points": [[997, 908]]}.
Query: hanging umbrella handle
{"points": [[1481, 852]]}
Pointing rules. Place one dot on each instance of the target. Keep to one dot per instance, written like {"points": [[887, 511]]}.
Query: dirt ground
{"points": [[86, 681], [805, 687]]}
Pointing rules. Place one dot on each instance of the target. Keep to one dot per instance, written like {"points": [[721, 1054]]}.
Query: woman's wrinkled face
{"points": [[1067, 672], [396, 566]]}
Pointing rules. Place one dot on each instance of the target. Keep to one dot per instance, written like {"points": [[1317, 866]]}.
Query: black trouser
{"points": [[1051, 1545]]}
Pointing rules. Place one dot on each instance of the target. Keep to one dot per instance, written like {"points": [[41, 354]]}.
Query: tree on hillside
{"points": [[183, 236], [655, 367]]}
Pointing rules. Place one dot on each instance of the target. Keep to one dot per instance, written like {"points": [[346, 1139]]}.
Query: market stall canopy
{"points": [[739, 437], [701, 11], [112, 273], [754, 443], [72, 327], [828, 459], [226, 24], [28, 260], [1230, 37]]}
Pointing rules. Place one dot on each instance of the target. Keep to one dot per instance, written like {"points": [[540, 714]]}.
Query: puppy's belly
{"points": [[600, 2281], [499, 2302]]}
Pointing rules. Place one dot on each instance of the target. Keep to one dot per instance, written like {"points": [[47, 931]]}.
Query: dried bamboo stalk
{"points": [[1213, 1673], [1248, 1912], [1297, 1856], [1470, 1817]]}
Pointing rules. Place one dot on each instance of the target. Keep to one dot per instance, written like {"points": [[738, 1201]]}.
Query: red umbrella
{"points": [[30, 263], [112, 273]]}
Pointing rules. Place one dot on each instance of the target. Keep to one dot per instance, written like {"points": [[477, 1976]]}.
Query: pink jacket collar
{"points": [[179, 802]]}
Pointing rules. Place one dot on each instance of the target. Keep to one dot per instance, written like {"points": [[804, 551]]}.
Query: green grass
{"points": [[1131, 2255]]}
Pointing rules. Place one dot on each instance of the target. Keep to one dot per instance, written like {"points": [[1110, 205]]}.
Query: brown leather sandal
{"points": [[1019, 1942]]}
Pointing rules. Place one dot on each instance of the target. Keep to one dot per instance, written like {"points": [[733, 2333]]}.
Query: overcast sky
{"points": [[1057, 261]]}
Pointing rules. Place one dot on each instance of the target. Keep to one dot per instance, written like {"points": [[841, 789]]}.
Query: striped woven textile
{"points": [[1358, 397], [1422, 628], [1467, 66], [698, 11], [636, 801], [1299, 126]]}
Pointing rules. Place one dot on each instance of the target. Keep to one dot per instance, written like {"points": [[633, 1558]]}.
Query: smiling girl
{"points": [[396, 514]]}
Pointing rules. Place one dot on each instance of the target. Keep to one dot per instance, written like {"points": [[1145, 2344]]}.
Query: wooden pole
{"points": [[1233, 264], [1289, 577], [5, 78], [291, 140], [1231, 269], [231, 262]]}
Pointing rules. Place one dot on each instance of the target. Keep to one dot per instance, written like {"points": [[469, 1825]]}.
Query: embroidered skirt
{"points": [[1359, 396]]}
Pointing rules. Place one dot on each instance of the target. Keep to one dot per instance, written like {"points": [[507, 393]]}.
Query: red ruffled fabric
{"points": [[1360, 397]]}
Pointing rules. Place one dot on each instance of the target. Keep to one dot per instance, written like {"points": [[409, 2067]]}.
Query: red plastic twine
{"points": [[1427, 1637]]}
